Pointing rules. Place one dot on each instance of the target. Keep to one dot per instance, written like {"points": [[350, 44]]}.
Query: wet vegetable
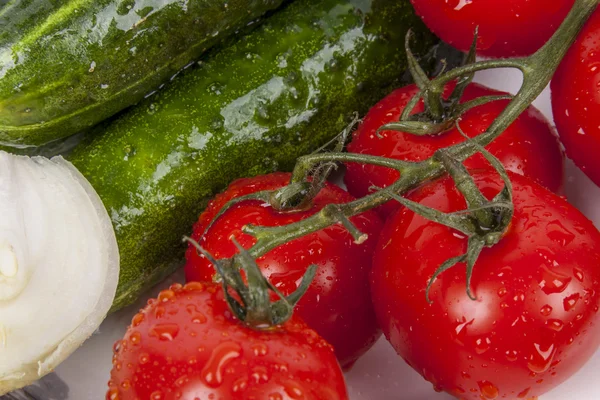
{"points": [[67, 65], [534, 320], [250, 108]]}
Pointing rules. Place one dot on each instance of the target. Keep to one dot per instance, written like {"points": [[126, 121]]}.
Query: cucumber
{"points": [[66, 65], [249, 108]]}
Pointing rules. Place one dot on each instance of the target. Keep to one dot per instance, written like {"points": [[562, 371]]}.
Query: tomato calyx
{"points": [[249, 299], [483, 222], [297, 196], [440, 113]]}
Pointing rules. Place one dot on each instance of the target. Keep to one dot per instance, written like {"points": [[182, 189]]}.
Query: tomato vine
{"points": [[493, 216]]}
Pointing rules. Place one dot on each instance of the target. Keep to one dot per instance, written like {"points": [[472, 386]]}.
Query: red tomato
{"points": [[337, 304], [520, 148], [507, 28], [535, 321], [576, 100], [187, 345]]}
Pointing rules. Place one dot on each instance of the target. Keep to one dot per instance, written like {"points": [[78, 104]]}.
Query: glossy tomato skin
{"points": [[535, 321], [576, 99], [507, 28], [186, 345], [528, 147], [337, 304]]}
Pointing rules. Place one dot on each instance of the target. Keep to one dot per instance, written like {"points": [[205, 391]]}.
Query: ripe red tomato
{"points": [[507, 28], [337, 304], [535, 321], [187, 345], [576, 100], [520, 148]]}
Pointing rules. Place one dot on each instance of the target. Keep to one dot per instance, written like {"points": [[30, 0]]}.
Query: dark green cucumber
{"points": [[250, 108], [66, 65]]}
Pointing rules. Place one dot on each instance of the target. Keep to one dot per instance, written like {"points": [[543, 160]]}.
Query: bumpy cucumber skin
{"points": [[66, 65], [247, 109]]}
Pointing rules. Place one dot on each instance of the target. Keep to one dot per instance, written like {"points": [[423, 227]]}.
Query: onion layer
{"points": [[59, 265]]}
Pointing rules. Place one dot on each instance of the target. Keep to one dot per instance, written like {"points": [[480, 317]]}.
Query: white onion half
{"points": [[59, 265]]}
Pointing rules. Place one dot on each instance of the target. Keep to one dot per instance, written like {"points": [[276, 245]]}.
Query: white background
{"points": [[380, 374]]}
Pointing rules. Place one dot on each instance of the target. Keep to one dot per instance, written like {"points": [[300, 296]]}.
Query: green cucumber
{"points": [[66, 65], [250, 108]]}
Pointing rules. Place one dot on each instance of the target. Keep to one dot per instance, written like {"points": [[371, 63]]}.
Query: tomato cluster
{"points": [[337, 305], [530, 137], [518, 324]]}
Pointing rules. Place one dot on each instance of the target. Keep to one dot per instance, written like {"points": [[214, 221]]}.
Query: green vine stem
{"points": [[537, 71], [484, 221]]}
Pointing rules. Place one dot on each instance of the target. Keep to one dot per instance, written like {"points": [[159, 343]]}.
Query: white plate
{"points": [[380, 374]]}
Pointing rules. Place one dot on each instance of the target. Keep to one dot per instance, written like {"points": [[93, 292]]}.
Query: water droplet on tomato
{"points": [[157, 395], [137, 319], [570, 302], [159, 312], [165, 296], [240, 385], [117, 346], [524, 393], [288, 281], [502, 292], [135, 338], [293, 390], [212, 373], [511, 355], [553, 282], [165, 332], [197, 316], [181, 381], [113, 394], [460, 331], [482, 345], [281, 367], [275, 396], [260, 375], [311, 336], [541, 358], [458, 391], [555, 324], [465, 375], [194, 287], [488, 390], [144, 358], [199, 319], [557, 232], [176, 287], [546, 310], [260, 349], [192, 309], [578, 273]]}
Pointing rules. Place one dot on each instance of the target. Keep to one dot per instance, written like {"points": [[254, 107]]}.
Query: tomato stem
{"points": [[537, 71], [485, 221], [256, 309]]}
